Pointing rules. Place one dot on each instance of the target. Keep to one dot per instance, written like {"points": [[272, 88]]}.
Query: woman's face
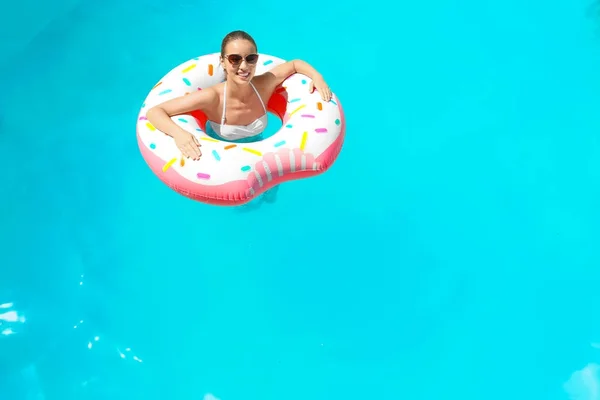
{"points": [[239, 61]]}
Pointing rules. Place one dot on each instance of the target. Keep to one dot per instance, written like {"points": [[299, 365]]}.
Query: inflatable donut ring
{"points": [[230, 173]]}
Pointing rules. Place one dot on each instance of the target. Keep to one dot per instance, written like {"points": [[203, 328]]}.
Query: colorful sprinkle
{"points": [[303, 142], [152, 146], [288, 125], [307, 116], [216, 155], [157, 85], [268, 62], [200, 175], [182, 120], [297, 109], [191, 67], [231, 146], [337, 121], [246, 168], [294, 100], [199, 130], [304, 81], [168, 165], [142, 118], [187, 81], [333, 102], [210, 69], [199, 88], [319, 106], [321, 130], [182, 161], [280, 143], [150, 126], [165, 92], [209, 139], [258, 153]]}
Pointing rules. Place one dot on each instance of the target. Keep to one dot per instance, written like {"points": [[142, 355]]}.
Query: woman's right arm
{"points": [[160, 116]]}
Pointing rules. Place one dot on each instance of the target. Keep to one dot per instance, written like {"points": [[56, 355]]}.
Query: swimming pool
{"points": [[472, 274]]}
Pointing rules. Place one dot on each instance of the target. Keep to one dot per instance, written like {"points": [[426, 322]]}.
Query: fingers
{"points": [[191, 149], [325, 94], [324, 91], [322, 88]]}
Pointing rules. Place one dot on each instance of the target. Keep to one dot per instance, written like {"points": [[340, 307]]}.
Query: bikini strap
{"points": [[260, 98], [224, 103]]}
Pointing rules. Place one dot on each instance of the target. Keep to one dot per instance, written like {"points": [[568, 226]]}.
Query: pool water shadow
{"points": [[270, 197]]}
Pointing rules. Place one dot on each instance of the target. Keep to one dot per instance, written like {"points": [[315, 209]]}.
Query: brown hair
{"points": [[236, 35]]}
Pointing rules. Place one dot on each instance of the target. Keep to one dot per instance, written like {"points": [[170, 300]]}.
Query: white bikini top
{"points": [[235, 132]]}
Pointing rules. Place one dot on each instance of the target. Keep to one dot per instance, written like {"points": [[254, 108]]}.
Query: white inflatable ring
{"points": [[230, 173]]}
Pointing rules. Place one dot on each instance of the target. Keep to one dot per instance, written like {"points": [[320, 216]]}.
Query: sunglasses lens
{"points": [[252, 58], [234, 58]]}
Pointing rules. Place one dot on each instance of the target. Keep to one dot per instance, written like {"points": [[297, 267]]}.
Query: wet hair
{"points": [[236, 35]]}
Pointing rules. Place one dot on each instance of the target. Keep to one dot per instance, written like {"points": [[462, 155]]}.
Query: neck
{"points": [[238, 91]]}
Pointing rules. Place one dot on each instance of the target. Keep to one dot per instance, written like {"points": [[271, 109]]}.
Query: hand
{"points": [[188, 145], [321, 87]]}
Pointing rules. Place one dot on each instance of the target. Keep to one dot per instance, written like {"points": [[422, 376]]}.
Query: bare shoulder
{"points": [[209, 96], [216, 89], [265, 83], [262, 80]]}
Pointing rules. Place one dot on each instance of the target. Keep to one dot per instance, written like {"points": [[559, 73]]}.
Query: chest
{"points": [[243, 112]]}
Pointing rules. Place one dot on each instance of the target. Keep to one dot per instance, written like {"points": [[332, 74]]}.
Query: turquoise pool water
{"points": [[451, 252]]}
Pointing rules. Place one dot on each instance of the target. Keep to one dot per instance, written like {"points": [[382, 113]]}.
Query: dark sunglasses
{"points": [[236, 59]]}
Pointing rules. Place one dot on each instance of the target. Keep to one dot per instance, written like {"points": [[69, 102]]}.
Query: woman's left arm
{"points": [[279, 73]]}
